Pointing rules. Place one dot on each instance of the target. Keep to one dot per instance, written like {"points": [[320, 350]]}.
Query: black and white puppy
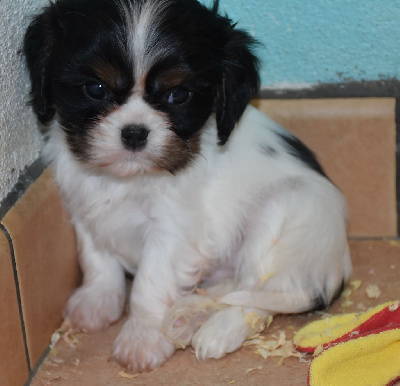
{"points": [[169, 174]]}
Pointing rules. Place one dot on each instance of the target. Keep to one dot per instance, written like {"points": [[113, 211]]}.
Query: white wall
{"points": [[20, 139]]}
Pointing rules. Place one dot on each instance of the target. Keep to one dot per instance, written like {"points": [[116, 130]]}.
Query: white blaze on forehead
{"points": [[143, 20]]}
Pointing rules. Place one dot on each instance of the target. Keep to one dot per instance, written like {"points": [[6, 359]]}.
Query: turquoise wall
{"points": [[312, 41]]}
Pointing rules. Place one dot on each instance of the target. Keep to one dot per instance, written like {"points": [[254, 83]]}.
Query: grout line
{"points": [[397, 117], [17, 288], [388, 88], [34, 371], [373, 238]]}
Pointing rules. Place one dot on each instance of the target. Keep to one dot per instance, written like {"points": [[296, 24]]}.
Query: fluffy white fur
{"points": [[261, 232]]}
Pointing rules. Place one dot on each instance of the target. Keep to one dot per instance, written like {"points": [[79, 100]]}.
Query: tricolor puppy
{"points": [[169, 175]]}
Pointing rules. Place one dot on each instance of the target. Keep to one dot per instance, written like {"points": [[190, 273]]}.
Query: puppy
{"points": [[169, 175]]}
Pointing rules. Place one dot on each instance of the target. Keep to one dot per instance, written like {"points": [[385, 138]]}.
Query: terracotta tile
{"points": [[355, 141], [87, 362], [13, 363], [44, 245]]}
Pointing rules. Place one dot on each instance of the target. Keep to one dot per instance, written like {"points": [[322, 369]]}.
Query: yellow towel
{"points": [[354, 349]]}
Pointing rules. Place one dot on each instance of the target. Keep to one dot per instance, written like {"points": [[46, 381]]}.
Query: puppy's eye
{"points": [[96, 91], [178, 96]]}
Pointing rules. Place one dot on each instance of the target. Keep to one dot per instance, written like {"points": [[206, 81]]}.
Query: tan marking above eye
{"points": [[173, 78], [169, 79], [109, 74]]}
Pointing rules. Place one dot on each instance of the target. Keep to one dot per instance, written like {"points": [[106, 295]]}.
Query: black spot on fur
{"points": [[300, 151], [320, 303]]}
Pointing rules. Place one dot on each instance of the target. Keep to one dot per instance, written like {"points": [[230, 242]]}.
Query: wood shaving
{"points": [[65, 331], [394, 306], [51, 381], [373, 291], [356, 284], [70, 339], [65, 327], [347, 303], [53, 362], [256, 322], [361, 306], [54, 339], [253, 368], [302, 359], [279, 347], [346, 293], [394, 243], [318, 350], [280, 363], [57, 361], [323, 314], [270, 319], [123, 374], [354, 333]]}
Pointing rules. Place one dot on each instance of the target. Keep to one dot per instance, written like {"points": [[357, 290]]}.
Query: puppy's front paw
{"points": [[141, 346], [93, 308], [223, 333]]}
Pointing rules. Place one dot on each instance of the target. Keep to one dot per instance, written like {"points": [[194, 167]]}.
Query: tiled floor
{"points": [[87, 363], [38, 271], [13, 359], [43, 243]]}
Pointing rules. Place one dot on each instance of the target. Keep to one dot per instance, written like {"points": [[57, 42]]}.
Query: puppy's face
{"points": [[133, 82]]}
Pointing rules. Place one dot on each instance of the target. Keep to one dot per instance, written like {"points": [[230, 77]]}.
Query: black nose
{"points": [[134, 137]]}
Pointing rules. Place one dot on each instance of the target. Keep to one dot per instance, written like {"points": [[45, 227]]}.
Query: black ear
{"points": [[38, 46], [239, 83]]}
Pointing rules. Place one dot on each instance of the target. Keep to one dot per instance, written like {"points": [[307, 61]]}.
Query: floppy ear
{"points": [[239, 83], [38, 45]]}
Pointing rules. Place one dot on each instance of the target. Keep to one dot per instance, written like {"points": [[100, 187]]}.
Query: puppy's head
{"points": [[132, 82]]}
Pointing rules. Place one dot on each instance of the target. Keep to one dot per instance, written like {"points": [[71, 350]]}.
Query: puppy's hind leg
{"points": [[291, 260], [295, 257]]}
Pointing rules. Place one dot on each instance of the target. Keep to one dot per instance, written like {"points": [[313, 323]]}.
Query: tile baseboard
{"points": [[45, 256], [355, 141]]}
